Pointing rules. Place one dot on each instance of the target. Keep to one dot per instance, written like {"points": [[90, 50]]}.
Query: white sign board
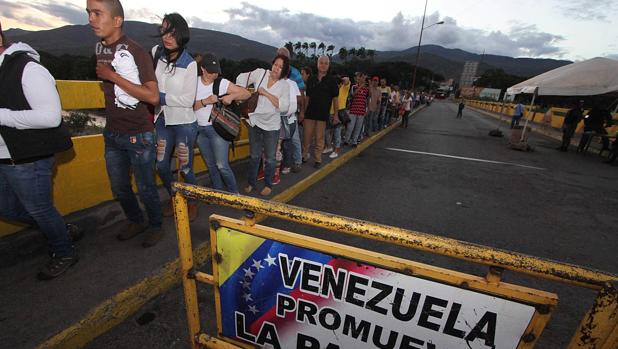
{"points": [[283, 296]]}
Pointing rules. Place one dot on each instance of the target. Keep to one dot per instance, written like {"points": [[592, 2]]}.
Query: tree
{"points": [[497, 78], [371, 54], [313, 46], [290, 46], [297, 48], [343, 54], [352, 53], [330, 49], [322, 47], [361, 53]]}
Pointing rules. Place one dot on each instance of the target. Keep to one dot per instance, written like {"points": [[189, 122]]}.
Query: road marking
{"points": [[465, 158]]}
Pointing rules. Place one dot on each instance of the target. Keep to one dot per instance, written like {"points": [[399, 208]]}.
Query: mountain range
{"points": [[79, 40]]}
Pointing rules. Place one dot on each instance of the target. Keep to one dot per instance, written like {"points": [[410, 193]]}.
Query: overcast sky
{"points": [[562, 29]]}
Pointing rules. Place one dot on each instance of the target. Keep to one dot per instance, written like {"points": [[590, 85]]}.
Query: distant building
{"points": [[469, 73]]}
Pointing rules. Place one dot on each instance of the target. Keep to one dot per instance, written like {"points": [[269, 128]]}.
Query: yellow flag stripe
{"points": [[234, 247]]}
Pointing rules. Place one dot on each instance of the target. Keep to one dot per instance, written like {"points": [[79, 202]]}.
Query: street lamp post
{"points": [[418, 48]]}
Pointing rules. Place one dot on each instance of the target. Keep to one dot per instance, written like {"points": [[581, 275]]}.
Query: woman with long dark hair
{"points": [[175, 121], [265, 121]]}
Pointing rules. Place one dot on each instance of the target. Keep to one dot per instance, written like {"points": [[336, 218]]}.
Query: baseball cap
{"points": [[375, 78], [210, 63]]}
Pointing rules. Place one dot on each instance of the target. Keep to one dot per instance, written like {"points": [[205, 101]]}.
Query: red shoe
{"points": [[277, 177], [260, 175]]}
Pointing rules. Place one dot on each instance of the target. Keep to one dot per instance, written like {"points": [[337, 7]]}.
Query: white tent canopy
{"points": [[587, 78]]}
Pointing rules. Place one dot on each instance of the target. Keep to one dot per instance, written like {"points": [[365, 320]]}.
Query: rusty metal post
{"points": [[597, 329], [185, 252]]}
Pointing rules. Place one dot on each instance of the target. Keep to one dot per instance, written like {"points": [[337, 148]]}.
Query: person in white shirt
{"points": [[215, 149], [265, 121], [175, 121], [407, 107]]}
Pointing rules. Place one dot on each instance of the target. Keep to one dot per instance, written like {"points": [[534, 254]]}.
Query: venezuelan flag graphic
{"points": [[250, 282]]}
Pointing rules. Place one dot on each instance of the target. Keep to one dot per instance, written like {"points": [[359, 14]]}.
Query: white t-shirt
{"points": [[266, 115], [203, 92]]}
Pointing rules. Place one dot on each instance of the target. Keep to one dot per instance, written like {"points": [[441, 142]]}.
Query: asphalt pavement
{"points": [[446, 176]]}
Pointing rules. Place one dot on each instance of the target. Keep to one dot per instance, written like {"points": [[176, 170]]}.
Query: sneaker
{"points": [[296, 168], [130, 231], [248, 189], [260, 175], [168, 209], [286, 170], [305, 159], [276, 178], [327, 150], [317, 164], [56, 266], [153, 236], [333, 155], [266, 191], [193, 210]]}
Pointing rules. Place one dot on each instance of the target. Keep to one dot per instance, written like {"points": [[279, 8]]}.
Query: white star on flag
{"points": [[270, 260], [248, 272], [253, 309], [245, 284], [247, 297], [257, 265]]}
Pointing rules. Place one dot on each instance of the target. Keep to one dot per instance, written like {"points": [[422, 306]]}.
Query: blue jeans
{"points": [[215, 152], [382, 117], [297, 153], [26, 197], [261, 141], [287, 147], [182, 137], [354, 129], [372, 121], [126, 154], [332, 137]]}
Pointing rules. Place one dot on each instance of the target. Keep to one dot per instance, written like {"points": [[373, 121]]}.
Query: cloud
{"points": [[588, 10], [44, 13], [10, 9], [67, 12], [142, 14], [275, 27]]}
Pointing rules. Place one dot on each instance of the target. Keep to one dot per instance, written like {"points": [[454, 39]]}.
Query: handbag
{"points": [[224, 119], [248, 106], [225, 122]]}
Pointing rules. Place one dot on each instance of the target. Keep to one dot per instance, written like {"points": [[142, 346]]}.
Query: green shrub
{"points": [[77, 121]]}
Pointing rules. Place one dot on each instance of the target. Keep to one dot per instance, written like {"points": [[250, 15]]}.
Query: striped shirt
{"points": [[358, 106]]}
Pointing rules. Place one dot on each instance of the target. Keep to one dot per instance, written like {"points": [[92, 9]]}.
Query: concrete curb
{"points": [[117, 309]]}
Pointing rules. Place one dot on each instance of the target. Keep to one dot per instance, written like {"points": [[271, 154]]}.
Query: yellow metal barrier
{"points": [[557, 114], [598, 329], [80, 179]]}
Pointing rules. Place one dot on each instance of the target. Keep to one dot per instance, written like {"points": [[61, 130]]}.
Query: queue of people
{"points": [[159, 103]]}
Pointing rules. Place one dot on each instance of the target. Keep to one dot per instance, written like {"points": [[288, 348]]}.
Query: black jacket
{"points": [[30, 143]]}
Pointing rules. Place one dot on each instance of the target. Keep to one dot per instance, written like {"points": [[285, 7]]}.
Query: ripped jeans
{"points": [[133, 154], [182, 138]]}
